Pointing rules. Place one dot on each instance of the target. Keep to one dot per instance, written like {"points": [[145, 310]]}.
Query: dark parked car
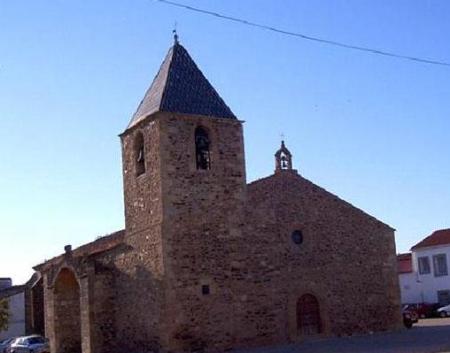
{"points": [[425, 310], [410, 316]]}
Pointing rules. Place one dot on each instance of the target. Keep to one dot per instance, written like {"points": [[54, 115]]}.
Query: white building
{"points": [[15, 295], [427, 280]]}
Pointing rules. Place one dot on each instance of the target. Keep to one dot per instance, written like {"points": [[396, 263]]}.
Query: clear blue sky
{"points": [[372, 129]]}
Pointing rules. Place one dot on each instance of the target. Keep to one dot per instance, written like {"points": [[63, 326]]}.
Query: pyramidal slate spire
{"points": [[180, 87]]}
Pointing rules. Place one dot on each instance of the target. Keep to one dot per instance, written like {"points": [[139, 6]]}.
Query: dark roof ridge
{"points": [[13, 290], [109, 241], [164, 93], [137, 117]]}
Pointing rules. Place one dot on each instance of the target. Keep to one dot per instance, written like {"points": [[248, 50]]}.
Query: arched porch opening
{"points": [[67, 313]]}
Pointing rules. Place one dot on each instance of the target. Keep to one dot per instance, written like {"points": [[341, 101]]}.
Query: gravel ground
{"points": [[428, 336]]}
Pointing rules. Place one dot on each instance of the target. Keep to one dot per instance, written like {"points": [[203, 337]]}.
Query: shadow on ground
{"points": [[428, 336]]}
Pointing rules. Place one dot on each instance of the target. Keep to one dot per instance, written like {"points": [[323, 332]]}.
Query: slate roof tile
{"points": [[180, 87]]}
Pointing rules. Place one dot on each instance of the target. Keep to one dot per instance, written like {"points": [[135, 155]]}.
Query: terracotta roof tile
{"points": [[439, 237]]}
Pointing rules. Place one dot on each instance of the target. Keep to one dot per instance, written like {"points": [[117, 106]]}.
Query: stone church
{"points": [[207, 262]]}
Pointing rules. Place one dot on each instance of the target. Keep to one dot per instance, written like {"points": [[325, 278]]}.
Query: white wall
{"points": [[410, 289], [429, 284], [17, 317]]}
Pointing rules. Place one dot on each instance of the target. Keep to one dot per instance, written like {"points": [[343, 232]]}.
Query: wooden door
{"points": [[308, 315]]}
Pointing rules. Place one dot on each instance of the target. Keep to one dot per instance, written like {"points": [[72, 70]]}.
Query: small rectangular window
{"points": [[440, 265], [205, 289], [443, 297], [424, 265]]}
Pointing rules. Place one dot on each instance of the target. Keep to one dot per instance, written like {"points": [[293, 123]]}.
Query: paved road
{"points": [[428, 336]]}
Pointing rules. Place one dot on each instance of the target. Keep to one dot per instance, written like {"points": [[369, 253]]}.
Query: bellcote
{"points": [[283, 159]]}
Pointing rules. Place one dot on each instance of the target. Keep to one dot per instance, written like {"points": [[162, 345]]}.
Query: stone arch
{"points": [[67, 312], [309, 320], [139, 153]]}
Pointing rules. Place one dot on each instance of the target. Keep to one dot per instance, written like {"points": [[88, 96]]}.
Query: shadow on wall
{"points": [[34, 306], [138, 304]]}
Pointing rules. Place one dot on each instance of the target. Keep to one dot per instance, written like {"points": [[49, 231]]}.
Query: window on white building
{"points": [[424, 265], [443, 297], [440, 265]]}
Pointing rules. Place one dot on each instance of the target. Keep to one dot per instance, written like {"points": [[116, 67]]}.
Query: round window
{"points": [[297, 237]]}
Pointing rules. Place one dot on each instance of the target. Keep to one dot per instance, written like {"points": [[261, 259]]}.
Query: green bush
{"points": [[4, 314]]}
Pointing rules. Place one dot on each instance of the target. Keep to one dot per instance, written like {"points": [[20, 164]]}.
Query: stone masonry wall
{"points": [[347, 259], [102, 308], [208, 263], [142, 193], [202, 221], [138, 266]]}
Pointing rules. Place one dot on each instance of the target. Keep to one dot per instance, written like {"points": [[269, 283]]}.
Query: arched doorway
{"points": [[308, 315], [67, 313]]}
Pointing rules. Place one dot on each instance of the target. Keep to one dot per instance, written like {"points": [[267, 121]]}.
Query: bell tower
{"points": [[182, 129], [184, 189]]}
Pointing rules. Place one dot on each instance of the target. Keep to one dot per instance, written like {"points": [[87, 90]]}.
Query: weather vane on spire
{"points": [[175, 34]]}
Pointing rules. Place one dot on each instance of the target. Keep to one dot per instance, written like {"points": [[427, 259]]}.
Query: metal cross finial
{"points": [[175, 34]]}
